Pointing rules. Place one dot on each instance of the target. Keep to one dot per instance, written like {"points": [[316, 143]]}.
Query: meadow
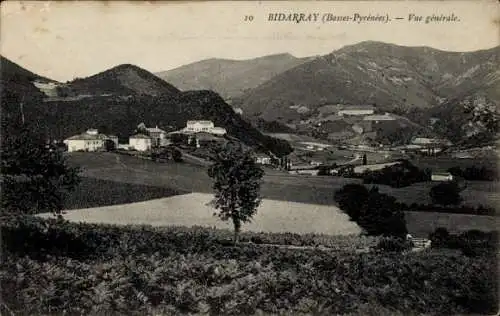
{"points": [[309, 195], [277, 185]]}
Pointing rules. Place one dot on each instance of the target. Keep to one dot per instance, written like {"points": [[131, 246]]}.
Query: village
{"points": [[198, 136]]}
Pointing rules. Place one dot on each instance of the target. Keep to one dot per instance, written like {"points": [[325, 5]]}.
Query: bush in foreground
{"points": [[376, 213], [472, 243], [144, 271]]}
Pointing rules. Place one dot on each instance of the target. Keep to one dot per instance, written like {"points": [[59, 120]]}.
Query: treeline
{"points": [[397, 176], [474, 173], [472, 242]]}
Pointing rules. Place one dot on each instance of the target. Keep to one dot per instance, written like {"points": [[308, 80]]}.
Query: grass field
{"points": [[312, 191], [97, 192], [192, 209]]}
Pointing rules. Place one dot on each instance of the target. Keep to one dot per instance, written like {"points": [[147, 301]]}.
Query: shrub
{"points": [[472, 243], [393, 244], [399, 175], [474, 173], [35, 175], [376, 213], [143, 270], [446, 193], [351, 198]]}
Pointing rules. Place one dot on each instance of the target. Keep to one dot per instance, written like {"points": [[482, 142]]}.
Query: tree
{"points": [[446, 194], [376, 213], [35, 176], [351, 198], [236, 184], [176, 155]]}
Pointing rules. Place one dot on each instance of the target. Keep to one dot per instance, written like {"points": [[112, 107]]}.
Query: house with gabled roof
{"points": [[91, 140], [140, 142]]}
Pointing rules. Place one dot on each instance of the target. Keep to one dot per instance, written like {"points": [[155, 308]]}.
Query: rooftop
{"points": [[200, 122], [140, 136], [356, 107], [91, 134], [155, 130]]}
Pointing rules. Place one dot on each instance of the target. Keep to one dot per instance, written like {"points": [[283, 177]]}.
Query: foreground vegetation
{"points": [[66, 268]]}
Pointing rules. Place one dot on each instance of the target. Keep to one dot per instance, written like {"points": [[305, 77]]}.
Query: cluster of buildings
{"points": [[146, 138]]}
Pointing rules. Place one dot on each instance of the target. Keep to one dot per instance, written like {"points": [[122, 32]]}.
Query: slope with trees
{"points": [[121, 98]]}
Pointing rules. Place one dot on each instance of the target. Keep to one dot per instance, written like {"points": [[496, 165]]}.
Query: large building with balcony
{"points": [[204, 127]]}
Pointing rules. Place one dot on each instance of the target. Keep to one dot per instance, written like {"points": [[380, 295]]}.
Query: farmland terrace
{"points": [[277, 185]]}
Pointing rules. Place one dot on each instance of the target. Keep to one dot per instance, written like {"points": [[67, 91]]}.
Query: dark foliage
{"points": [[272, 126], [351, 199], [35, 175], [462, 209], [399, 175], [51, 267], [393, 244], [167, 153], [446, 193], [376, 213], [472, 242], [92, 192], [116, 103], [474, 173], [237, 179]]}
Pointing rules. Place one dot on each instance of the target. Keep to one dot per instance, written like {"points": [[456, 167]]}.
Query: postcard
{"points": [[249, 157]]}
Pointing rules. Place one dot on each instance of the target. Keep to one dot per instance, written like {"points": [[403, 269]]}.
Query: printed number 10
{"points": [[248, 17]]}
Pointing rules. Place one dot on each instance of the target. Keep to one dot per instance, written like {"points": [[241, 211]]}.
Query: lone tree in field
{"points": [[237, 180], [35, 176]]}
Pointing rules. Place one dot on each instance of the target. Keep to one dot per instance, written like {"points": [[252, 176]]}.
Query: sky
{"points": [[65, 40]]}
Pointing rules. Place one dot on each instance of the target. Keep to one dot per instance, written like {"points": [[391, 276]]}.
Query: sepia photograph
{"points": [[249, 157]]}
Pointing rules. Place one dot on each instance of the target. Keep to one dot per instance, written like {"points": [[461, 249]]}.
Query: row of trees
{"points": [[399, 175], [474, 173]]}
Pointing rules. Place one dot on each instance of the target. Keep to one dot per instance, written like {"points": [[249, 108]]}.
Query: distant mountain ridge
{"points": [[230, 78], [386, 75], [125, 79]]}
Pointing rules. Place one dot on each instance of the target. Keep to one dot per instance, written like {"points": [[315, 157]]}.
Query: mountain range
{"points": [[385, 75], [417, 82], [277, 92], [230, 78]]}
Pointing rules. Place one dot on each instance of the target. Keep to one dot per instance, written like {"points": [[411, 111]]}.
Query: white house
{"points": [[378, 117], [49, 88], [91, 140], [430, 141], [263, 159], [203, 126], [356, 110], [158, 136], [441, 176], [140, 142]]}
